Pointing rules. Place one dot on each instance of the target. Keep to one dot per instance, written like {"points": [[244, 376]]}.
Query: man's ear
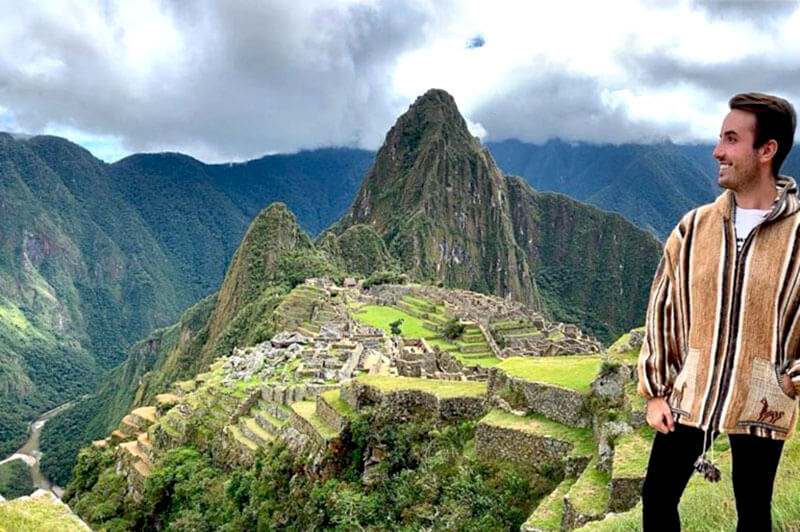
{"points": [[768, 150]]}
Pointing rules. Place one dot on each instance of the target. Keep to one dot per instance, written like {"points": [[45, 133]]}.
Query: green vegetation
{"points": [[37, 515], [574, 372], [453, 329], [15, 479], [632, 453], [334, 399], [307, 410], [412, 328], [381, 316], [441, 389], [548, 514], [427, 480], [589, 494], [363, 252], [710, 507], [395, 327], [384, 277]]}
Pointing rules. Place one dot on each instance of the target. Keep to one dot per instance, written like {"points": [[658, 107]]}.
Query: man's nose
{"points": [[717, 153]]}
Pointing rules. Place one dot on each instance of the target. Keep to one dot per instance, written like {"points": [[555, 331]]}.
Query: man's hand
{"points": [[659, 416], [788, 385]]}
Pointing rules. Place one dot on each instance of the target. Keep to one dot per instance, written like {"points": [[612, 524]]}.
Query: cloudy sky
{"points": [[229, 80]]}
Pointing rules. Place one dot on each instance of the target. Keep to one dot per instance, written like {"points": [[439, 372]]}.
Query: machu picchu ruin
{"points": [[542, 394]]}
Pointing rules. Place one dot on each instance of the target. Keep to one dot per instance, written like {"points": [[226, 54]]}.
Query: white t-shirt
{"points": [[746, 220]]}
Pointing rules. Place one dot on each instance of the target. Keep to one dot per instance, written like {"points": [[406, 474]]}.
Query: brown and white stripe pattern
{"points": [[729, 308]]}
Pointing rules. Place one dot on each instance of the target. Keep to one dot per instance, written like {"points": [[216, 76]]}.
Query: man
{"points": [[723, 324]]}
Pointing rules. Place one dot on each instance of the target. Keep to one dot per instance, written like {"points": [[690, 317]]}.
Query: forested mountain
{"points": [[652, 185], [94, 256]]}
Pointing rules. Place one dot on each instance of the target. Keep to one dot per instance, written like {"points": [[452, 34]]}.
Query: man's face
{"points": [[738, 160]]}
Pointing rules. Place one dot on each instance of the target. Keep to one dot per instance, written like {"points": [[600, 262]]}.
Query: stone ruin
{"points": [[521, 330]]}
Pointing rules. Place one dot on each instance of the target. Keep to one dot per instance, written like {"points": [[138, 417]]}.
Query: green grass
{"points": [[557, 335], [632, 453], [589, 494], [636, 401], [573, 372], [547, 515], [380, 316], [443, 344], [334, 399], [441, 389], [236, 432], [13, 316], [418, 302], [37, 515], [308, 411], [629, 356], [707, 507], [509, 324], [536, 424], [487, 360]]}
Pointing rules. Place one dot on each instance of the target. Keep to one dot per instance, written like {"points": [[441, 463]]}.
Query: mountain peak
{"points": [[433, 112]]}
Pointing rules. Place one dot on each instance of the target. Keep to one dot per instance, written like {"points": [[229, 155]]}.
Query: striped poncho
{"points": [[723, 327]]}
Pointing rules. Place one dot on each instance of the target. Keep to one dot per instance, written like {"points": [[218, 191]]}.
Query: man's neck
{"points": [[760, 196]]}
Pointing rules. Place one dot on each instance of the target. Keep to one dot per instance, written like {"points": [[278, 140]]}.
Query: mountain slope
{"points": [[441, 204], [651, 185], [95, 256], [448, 214]]}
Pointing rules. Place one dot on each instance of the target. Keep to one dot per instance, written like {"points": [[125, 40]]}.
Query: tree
{"points": [[453, 329], [395, 326]]}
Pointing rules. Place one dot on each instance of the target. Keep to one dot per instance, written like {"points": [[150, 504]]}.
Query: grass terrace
{"points": [[380, 316], [589, 494], [441, 389], [636, 401], [37, 515], [540, 425], [628, 357], [334, 399], [573, 372], [412, 328], [632, 452], [547, 515], [707, 507], [308, 411]]}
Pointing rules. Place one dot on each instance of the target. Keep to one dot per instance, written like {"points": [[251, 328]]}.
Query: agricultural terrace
{"points": [[422, 319], [573, 372], [441, 389]]}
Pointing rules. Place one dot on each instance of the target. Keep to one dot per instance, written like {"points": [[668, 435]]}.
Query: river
{"points": [[30, 452]]}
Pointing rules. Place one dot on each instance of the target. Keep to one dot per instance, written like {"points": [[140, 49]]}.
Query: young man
{"points": [[723, 324]]}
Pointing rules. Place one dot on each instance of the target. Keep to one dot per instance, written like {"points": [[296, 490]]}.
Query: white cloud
{"points": [[234, 79]]}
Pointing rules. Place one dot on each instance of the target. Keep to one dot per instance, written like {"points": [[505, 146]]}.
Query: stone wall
{"points": [[625, 493], [572, 518], [406, 404], [504, 443], [438, 364], [554, 402], [303, 426], [330, 415]]}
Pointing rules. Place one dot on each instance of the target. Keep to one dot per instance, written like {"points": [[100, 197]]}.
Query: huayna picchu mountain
{"points": [[447, 213]]}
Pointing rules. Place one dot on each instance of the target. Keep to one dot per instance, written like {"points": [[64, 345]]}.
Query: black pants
{"points": [[755, 461]]}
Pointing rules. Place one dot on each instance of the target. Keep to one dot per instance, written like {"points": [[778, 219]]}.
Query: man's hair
{"points": [[775, 119]]}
